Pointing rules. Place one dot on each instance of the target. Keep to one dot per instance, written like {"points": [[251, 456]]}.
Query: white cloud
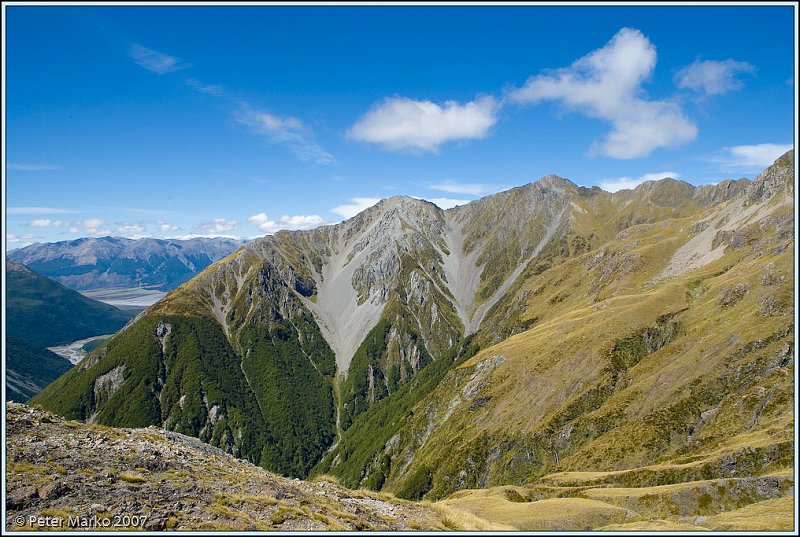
{"points": [[208, 89], [712, 77], [130, 230], [154, 61], [455, 187], [46, 222], [447, 203], [607, 84], [349, 210], [286, 131], [402, 123], [217, 225], [31, 167], [190, 236], [38, 210], [286, 222], [751, 157], [629, 183], [164, 226], [90, 227], [21, 240]]}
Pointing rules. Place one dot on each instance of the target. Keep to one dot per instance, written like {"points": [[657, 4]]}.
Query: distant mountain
{"points": [[113, 262], [551, 337], [29, 369], [44, 313]]}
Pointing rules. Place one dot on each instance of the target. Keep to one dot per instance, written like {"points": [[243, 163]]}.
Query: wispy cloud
{"points": [[401, 123], [295, 222], [287, 131], [607, 84], [750, 157], [19, 167], [712, 77], [209, 89], [454, 187], [38, 210], [629, 183], [349, 210], [154, 61]]}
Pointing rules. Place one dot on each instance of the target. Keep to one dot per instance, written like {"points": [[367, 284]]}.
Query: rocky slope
{"points": [[115, 262], [355, 349], [161, 480]]}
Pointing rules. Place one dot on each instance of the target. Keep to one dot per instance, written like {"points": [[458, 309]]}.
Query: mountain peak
{"points": [[554, 181]]}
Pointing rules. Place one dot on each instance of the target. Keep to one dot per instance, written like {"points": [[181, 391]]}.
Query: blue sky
{"points": [[239, 121]]}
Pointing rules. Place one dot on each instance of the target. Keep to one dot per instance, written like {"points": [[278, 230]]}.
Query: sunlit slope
{"points": [[640, 375]]}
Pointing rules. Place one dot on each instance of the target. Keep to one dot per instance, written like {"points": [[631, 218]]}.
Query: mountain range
{"points": [[115, 262], [551, 337]]}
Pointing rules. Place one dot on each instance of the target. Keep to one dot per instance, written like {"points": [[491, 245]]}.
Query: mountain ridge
{"points": [[118, 262], [532, 253]]}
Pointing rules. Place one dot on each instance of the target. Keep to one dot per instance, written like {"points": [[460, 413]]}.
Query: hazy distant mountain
{"points": [[113, 262], [549, 336]]}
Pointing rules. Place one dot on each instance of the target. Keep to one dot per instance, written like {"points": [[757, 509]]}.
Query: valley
{"points": [[75, 352], [135, 299]]}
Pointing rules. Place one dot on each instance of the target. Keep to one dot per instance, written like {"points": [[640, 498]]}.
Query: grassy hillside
{"points": [[181, 372], [45, 313]]}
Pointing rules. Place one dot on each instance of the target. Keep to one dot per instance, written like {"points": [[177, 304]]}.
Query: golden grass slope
{"points": [[620, 377]]}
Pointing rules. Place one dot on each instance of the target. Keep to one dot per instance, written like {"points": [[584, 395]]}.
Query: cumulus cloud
{"points": [[629, 183], [131, 230], [286, 222], [46, 222], [165, 226], [91, 227], [751, 157], [349, 210], [215, 226], [401, 123], [287, 131], [154, 61], [607, 84], [712, 77], [454, 187]]}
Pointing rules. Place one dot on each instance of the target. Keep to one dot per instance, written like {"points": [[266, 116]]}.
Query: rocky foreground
{"points": [[64, 474]]}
